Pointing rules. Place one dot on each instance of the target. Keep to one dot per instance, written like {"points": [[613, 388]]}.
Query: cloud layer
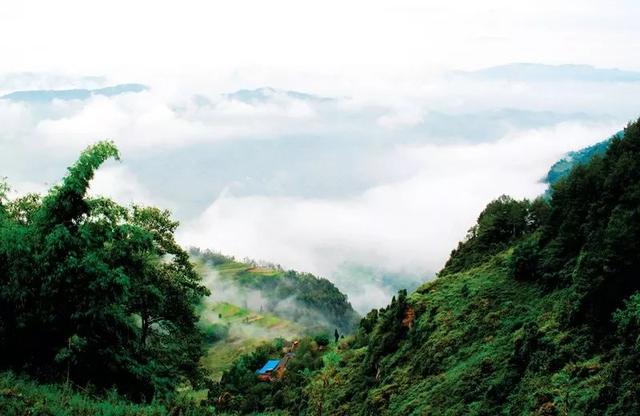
{"points": [[371, 190]]}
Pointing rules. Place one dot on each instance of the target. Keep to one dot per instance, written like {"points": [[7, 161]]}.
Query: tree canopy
{"points": [[94, 292]]}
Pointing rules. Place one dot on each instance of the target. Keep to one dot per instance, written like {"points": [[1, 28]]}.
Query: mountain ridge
{"points": [[45, 96]]}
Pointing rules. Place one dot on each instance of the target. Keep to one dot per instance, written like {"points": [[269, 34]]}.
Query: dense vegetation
{"points": [[563, 167], [536, 312], [96, 294], [239, 390]]}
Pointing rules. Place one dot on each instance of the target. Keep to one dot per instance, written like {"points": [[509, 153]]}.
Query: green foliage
{"points": [[501, 223], [322, 339], [239, 390], [96, 293], [4, 191], [594, 224], [563, 167], [212, 332], [523, 262], [627, 321], [537, 312], [388, 332]]}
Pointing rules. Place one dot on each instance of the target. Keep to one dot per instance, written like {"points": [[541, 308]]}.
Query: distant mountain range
{"points": [[45, 96], [529, 72], [264, 94]]}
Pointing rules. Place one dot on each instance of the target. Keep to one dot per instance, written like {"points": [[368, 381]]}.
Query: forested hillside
{"points": [[536, 312], [311, 301], [562, 167], [253, 303]]}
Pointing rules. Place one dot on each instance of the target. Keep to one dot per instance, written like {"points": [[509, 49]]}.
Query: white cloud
{"points": [[120, 184], [150, 119], [409, 225], [398, 200], [389, 179], [15, 121]]}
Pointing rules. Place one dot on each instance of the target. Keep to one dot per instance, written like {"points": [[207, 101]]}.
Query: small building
{"points": [[266, 372], [274, 369]]}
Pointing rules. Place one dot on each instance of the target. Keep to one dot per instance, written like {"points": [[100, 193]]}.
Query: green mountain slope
{"points": [[537, 312], [308, 300], [561, 168], [252, 304]]}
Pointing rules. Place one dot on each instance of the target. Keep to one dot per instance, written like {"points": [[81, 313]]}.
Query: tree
{"points": [[95, 290], [523, 263]]}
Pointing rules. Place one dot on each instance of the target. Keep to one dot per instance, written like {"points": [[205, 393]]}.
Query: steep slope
{"points": [[561, 168], [545, 320], [537, 312]]}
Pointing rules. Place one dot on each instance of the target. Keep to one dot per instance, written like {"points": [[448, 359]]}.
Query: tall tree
{"points": [[96, 292]]}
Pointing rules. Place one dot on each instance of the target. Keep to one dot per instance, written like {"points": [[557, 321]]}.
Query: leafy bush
{"points": [[322, 339], [212, 332], [627, 321]]}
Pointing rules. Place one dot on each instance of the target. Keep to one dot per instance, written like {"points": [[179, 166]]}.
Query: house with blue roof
{"points": [[268, 367], [274, 368]]}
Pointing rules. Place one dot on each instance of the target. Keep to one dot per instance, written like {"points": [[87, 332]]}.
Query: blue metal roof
{"points": [[269, 366]]}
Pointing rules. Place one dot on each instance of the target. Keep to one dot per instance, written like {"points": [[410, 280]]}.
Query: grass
{"points": [[247, 330], [19, 396]]}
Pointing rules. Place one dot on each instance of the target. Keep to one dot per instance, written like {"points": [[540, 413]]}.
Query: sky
{"points": [[355, 140]]}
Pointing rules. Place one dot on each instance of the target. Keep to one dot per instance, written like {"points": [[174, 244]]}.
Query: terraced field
{"points": [[250, 304], [246, 330]]}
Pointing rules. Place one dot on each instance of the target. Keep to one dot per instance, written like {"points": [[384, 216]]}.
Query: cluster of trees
{"points": [[588, 241], [504, 221], [95, 293], [582, 237], [563, 167]]}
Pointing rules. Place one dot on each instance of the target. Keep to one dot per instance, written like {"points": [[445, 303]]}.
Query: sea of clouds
{"points": [[371, 188]]}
